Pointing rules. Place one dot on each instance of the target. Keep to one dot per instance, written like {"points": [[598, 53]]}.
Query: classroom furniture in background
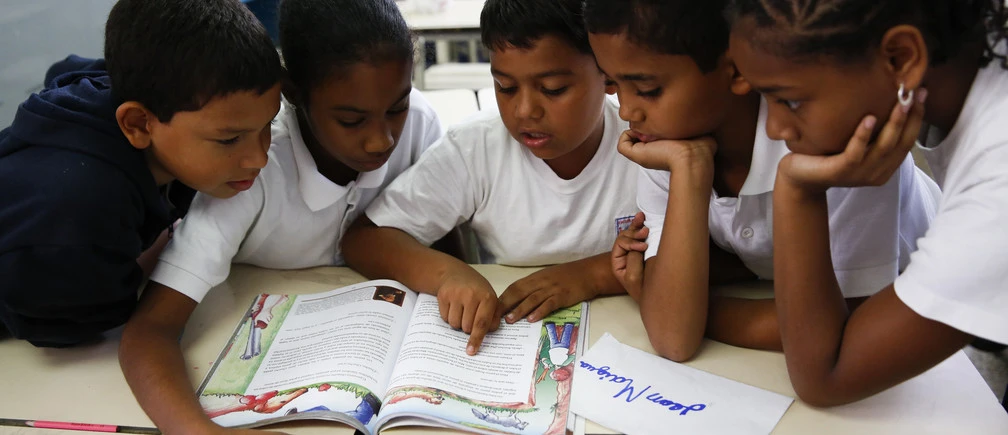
{"points": [[452, 105], [459, 21], [451, 75]]}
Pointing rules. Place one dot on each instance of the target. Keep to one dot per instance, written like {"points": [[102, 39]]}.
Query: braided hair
{"points": [[848, 29]]}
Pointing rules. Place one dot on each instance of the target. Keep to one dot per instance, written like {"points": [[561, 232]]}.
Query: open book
{"points": [[376, 355]]}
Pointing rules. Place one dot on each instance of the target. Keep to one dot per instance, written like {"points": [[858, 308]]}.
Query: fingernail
{"points": [[922, 95], [869, 122], [905, 108], [511, 317], [471, 350]]}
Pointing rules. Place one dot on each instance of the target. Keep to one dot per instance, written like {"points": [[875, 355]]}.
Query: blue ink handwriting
{"points": [[604, 373]]}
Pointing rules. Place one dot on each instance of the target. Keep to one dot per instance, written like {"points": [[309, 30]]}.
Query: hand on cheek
{"points": [[666, 154], [863, 162]]}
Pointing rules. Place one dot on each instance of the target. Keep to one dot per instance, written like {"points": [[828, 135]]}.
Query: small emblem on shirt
{"points": [[623, 223]]}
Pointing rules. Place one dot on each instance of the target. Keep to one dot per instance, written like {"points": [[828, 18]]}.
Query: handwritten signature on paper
{"points": [[628, 389]]}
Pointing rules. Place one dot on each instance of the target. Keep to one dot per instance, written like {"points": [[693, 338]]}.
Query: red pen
{"points": [[72, 426], [86, 427]]}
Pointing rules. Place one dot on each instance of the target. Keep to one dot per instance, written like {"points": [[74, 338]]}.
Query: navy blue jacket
{"points": [[78, 204]]}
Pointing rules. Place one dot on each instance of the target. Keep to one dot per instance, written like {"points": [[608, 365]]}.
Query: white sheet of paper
{"points": [[635, 392]]}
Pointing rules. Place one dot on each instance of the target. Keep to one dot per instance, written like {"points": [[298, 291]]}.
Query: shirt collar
{"points": [[372, 179], [767, 153], [317, 191]]}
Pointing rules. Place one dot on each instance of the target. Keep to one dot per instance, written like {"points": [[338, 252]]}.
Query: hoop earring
{"points": [[905, 97]]}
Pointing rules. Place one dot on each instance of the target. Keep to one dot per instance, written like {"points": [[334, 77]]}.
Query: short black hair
{"points": [[848, 29], [520, 23], [695, 28], [321, 38], [177, 55]]}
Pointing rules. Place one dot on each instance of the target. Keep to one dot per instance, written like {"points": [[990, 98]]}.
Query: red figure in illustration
{"points": [[266, 403]]}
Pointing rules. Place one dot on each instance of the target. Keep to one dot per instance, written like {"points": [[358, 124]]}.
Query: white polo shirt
{"points": [[293, 217], [872, 229], [521, 212], [959, 276]]}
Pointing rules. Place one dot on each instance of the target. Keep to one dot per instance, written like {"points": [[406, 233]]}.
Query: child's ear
{"points": [[739, 85], [906, 55], [134, 120], [610, 87], [291, 91]]}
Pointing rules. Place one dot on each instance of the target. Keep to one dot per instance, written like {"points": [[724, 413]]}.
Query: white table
{"points": [[85, 384]]}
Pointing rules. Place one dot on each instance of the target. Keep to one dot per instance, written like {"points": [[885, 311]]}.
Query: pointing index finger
{"points": [[481, 325]]}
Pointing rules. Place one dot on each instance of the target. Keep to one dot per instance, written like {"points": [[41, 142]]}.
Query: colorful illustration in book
{"points": [[429, 395], [508, 420], [367, 409], [554, 366], [556, 360], [251, 341], [559, 364], [259, 319], [282, 402], [216, 405], [389, 294], [559, 342], [364, 412]]}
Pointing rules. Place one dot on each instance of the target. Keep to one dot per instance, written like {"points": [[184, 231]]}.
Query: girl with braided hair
{"points": [[851, 83]]}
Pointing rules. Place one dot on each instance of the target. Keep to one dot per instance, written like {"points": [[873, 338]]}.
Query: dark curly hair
{"points": [[695, 28], [520, 23], [322, 38], [177, 55]]}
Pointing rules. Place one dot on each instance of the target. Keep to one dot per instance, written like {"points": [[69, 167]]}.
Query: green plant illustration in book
{"points": [[373, 353], [247, 349]]}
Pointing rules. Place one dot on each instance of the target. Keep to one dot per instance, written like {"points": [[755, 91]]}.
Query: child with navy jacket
{"points": [[94, 167]]}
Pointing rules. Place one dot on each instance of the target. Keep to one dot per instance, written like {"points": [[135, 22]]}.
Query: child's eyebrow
{"points": [[233, 130], [555, 73], [771, 89], [637, 77], [349, 109], [544, 74], [497, 72], [353, 109]]}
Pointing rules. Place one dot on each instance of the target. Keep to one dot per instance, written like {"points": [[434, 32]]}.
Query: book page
{"points": [[433, 355], [543, 410], [331, 351]]}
